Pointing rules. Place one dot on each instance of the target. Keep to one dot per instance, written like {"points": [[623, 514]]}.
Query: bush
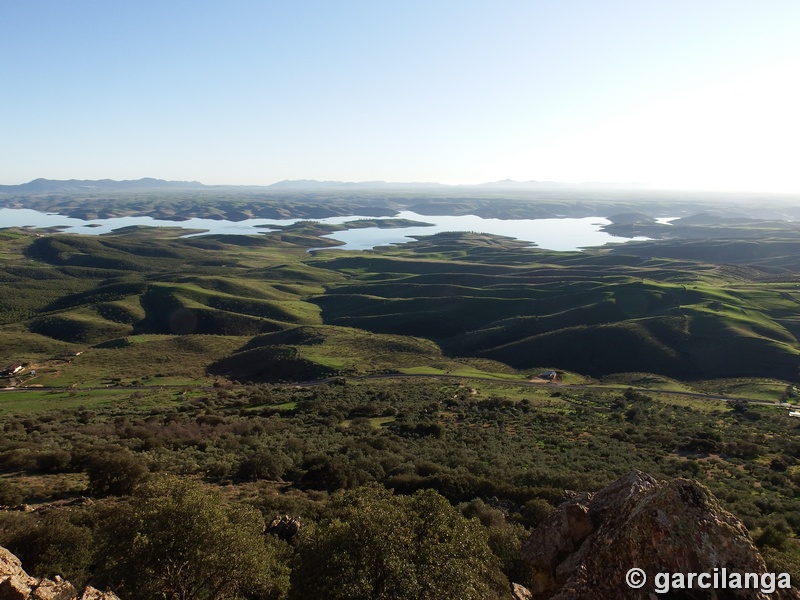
{"points": [[56, 461], [773, 537], [264, 464], [534, 511], [331, 473], [383, 546], [10, 494], [56, 545], [177, 540], [115, 473]]}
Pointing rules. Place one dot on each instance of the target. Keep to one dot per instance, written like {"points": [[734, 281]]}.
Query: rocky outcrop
{"points": [[284, 527], [584, 549], [520, 592], [16, 584]]}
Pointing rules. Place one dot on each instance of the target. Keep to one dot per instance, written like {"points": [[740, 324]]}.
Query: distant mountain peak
{"points": [[42, 185]]}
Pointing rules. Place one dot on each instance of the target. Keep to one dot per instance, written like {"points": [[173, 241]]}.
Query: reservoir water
{"points": [[551, 234]]}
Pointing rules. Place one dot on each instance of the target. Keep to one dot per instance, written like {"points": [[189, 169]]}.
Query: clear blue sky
{"points": [[700, 93]]}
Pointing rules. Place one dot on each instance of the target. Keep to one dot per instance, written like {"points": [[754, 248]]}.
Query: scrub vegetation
{"points": [[392, 399]]}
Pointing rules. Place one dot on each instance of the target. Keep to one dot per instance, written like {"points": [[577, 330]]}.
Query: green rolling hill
{"points": [[588, 313], [443, 298]]}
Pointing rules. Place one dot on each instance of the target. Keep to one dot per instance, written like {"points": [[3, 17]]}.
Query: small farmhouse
{"points": [[12, 369], [552, 376]]}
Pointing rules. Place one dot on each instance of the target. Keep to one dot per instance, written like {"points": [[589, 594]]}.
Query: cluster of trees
{"points": [[295, 448], [177, 539]]}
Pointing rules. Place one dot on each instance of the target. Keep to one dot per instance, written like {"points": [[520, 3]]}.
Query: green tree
{"points": [[264, 464], [381, 547], [10, 493], [177, 541], [56, 544], [115, 473]]}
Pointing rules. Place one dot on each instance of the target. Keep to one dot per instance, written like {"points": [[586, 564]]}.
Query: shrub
{"points": [[115, 473], [396, 547], [57, 545], [264, 464], [177, 540], [10, 494]]}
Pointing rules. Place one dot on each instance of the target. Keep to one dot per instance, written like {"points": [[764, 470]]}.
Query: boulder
{"points": [[55, 589], [284, 527], [520, 592], [15, 587], [16, 584], [584, 549], [91, 593], [9, 564]]}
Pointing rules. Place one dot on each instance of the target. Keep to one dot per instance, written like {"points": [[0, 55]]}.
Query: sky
{"points": [[700, 94]]}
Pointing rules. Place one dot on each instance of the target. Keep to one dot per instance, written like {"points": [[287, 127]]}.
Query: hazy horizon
{"points": [[509, 188], [685, 96]]}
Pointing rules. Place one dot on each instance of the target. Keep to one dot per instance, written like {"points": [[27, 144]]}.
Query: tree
{"points": [[381, 547], [115, 473], [177, 541], [58, 543], [264, 464], [10, 493]]}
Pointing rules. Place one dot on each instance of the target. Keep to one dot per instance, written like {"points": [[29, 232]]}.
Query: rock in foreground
{"points": [[584, 549], [16, 584]]}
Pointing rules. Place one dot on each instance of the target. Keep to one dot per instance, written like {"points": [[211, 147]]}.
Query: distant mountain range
{"points": [[40, 186]]}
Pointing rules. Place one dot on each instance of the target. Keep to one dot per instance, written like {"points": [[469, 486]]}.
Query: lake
{"points": [[552, 234]]}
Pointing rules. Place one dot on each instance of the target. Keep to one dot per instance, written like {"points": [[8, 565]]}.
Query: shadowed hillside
{"points": [[591, 313]]}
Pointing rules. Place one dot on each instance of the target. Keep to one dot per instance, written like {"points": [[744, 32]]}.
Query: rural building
{"points": [[12, 369], [794, 413], [552, 376]]}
